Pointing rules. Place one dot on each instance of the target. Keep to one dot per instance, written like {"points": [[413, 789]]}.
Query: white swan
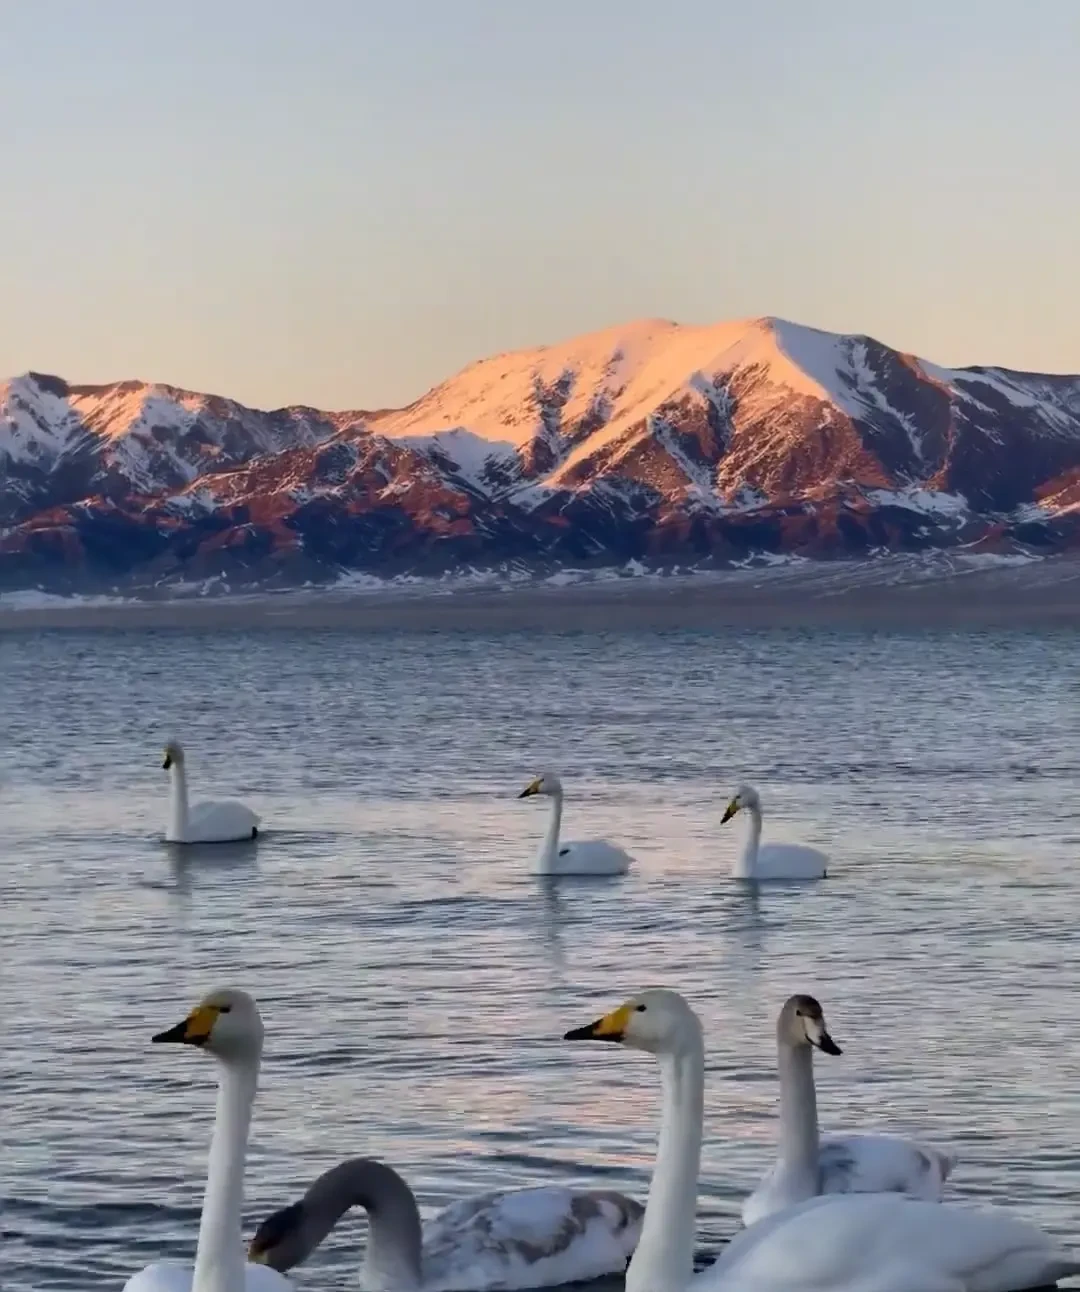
{"points": [[870, 1242], [774, 860], [212, 822], [227, 1024], [807, 1166], [520, 1238], [590, 857]]}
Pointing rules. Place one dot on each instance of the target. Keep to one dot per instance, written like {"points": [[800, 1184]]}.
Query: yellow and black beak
{"points": [[532, 788], [612, 1027], [256, 1255], [730, 811], [193, 1030], [168, 761]]}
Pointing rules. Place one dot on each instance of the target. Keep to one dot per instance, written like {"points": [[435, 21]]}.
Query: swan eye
{"points": [[224, 1009], [640, 1009]]}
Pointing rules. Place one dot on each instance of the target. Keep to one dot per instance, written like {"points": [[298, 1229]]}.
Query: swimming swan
{"points": [[774, 860], [222, 822], [520, 1238], [807, 1166], [590, 857], [226, 1024], [870, 1242]]}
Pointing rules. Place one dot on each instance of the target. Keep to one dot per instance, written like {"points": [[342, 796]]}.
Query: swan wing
{"points": [[766, 1198], [790, 861], [529, 1238], [887, 1242], [220, 821], [591, 857], [883, 1164], [175, 1276]]}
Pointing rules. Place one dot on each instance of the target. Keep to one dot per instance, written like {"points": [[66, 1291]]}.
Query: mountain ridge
{"points": [[652, 441]]}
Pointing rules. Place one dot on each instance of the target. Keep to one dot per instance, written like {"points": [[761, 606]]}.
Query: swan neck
{"points": [[799, 1133], [746, 866], [394, 1255], [664, 1259], [219, 1258], [178, 813], [549, 849]]}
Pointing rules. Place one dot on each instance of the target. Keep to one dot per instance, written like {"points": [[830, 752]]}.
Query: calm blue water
{"points": [[415, 979]]}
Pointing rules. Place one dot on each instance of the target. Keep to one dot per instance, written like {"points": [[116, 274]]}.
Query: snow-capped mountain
{"points": [[654, 442]]}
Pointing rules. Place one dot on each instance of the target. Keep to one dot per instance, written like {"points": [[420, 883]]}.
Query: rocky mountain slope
{"points": [[652, 442]]}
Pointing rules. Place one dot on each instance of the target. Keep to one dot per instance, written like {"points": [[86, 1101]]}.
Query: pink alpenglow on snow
{"points": [[652, 442]]}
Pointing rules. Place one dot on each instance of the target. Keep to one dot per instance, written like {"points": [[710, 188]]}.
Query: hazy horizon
{"points": [[343, 207]]}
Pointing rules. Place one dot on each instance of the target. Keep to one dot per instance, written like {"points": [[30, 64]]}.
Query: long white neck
{"points": [[746, 866], [219, 1258], [664, 1259], [178, 808], [799, 1134], [549, 849]]}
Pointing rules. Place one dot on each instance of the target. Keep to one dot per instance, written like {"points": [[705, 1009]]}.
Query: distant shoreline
{"points": [[992, 599]]}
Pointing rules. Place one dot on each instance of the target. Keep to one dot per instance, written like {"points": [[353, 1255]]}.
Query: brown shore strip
{"points": [[985, 600]]}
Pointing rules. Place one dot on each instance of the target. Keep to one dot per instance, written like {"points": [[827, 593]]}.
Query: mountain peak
{"points": [[650, 440]]}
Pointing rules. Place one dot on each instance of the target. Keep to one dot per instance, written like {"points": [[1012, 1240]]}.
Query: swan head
{"points": [[745, 797], [280, 1240], [226, 1022], [802, 1023], [546, 783], [657, 1021], [174, 753]]}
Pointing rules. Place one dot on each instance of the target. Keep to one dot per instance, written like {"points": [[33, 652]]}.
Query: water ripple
{"points": [[415, 979]]}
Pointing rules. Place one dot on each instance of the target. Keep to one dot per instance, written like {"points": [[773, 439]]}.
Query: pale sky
{"points": [[342, 202]]}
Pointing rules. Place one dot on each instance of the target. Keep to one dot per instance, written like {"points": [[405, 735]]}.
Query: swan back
{"points": [[542, 1237], [891, 1243]]}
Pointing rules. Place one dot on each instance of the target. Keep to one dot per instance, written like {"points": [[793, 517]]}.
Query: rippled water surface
{"points": [[415, 978]]}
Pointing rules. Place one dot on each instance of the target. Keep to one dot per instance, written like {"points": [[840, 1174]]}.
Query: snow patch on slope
{"points": [[36, 425], [926, 501], [469, 456]]}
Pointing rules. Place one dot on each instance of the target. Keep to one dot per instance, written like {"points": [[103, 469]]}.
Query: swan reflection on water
{"points": [[188, 860]]}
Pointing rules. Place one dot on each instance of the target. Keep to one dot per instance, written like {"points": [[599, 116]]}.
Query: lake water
{"points": [[415, 978]]}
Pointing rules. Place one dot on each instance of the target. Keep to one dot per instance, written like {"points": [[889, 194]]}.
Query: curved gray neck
{"points": [[395, 1238], [799, 1135], [549, 849], [746, 866]]}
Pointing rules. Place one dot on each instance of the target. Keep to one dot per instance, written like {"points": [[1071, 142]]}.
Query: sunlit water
{"points": [[414, 977]]}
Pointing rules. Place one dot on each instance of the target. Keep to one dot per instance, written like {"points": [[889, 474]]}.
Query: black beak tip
{"points": [[177, 1033], [829, 1046], [589, 1033], [524, 794]]}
